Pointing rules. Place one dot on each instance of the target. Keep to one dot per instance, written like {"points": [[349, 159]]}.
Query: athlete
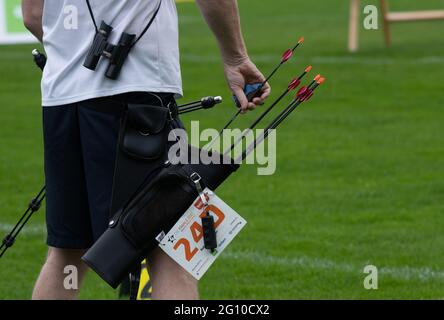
{"points": [[82, 111]]}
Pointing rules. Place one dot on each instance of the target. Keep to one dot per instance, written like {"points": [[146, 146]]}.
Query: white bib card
{"points": [[184, 243]]}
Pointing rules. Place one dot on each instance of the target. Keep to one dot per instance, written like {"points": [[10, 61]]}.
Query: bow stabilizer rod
{"points": [[204, 103]]}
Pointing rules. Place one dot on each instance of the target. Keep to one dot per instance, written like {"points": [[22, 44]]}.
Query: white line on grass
{"points": [[405, 273], [30, 230]]}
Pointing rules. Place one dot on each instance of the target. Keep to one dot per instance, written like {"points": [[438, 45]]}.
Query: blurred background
{"points": [[360, 173]]}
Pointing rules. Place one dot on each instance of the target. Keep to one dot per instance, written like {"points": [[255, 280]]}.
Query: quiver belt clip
{"points": [[209, 231]]}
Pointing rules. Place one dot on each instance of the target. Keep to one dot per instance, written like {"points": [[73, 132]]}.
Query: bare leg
{"points": [[50, 283], [169, 280]]}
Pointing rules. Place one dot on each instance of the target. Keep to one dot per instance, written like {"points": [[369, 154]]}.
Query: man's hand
{"points": [[222, 17], [240, 74]]}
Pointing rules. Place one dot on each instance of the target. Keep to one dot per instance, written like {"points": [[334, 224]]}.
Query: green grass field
{"points": [[360, 176]]}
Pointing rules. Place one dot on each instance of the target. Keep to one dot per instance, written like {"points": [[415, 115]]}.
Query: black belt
{"points": [[116, 105]]}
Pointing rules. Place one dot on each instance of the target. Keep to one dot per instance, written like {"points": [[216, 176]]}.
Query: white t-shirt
{"points": [[152, 64]]}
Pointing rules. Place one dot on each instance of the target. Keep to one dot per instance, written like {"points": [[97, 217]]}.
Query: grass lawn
{"points": [[360, 176]]}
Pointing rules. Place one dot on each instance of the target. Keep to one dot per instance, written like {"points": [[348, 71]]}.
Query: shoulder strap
{"points": [[91, 13], [149, 24]]}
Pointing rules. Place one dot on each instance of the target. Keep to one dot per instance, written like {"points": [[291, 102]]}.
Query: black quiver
{"points": [[156, 207], [165, 191]]}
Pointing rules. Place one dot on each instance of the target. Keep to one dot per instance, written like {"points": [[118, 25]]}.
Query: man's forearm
{"points": [[32, 17], [222, 16]]}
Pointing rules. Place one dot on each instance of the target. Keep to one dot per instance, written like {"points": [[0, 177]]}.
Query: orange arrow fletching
{"points": [[317, 78], [321, 80], [301, 40], [308, 69]]}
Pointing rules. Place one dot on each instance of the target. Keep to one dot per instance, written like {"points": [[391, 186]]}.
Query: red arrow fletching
{"points": [[294, 84], [308, 96], [304, 94], [287, 55], [301, 92]]}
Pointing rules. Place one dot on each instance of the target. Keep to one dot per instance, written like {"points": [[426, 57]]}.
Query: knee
{"points": [[62, 258]]}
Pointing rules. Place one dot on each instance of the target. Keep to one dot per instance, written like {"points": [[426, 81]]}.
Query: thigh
{"points": [[67, 212], [99, 122], [99, 136]]}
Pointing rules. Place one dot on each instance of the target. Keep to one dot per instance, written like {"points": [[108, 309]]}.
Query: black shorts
{"points": [[80, 148]]}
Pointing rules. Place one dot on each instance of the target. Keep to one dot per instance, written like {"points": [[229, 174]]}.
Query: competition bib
{"points": [[184, 242]]}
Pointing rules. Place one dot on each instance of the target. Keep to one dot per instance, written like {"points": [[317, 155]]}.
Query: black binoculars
{"points": [[116, 54]]}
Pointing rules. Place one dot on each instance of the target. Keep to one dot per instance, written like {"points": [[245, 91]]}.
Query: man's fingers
{"points": [[266, 90], [240, 95], [258, 101], [265, 93], [251, 106]]}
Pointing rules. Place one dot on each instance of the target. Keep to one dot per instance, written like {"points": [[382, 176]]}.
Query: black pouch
{"points": [[158, 207], [143, 148], [145, 131]]}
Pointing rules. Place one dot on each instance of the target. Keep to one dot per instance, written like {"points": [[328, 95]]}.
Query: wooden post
{"points": [[353, 35], [386, 23]]}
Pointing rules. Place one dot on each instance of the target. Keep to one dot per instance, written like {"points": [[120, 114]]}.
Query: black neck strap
{"points": [[91, 13]]}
